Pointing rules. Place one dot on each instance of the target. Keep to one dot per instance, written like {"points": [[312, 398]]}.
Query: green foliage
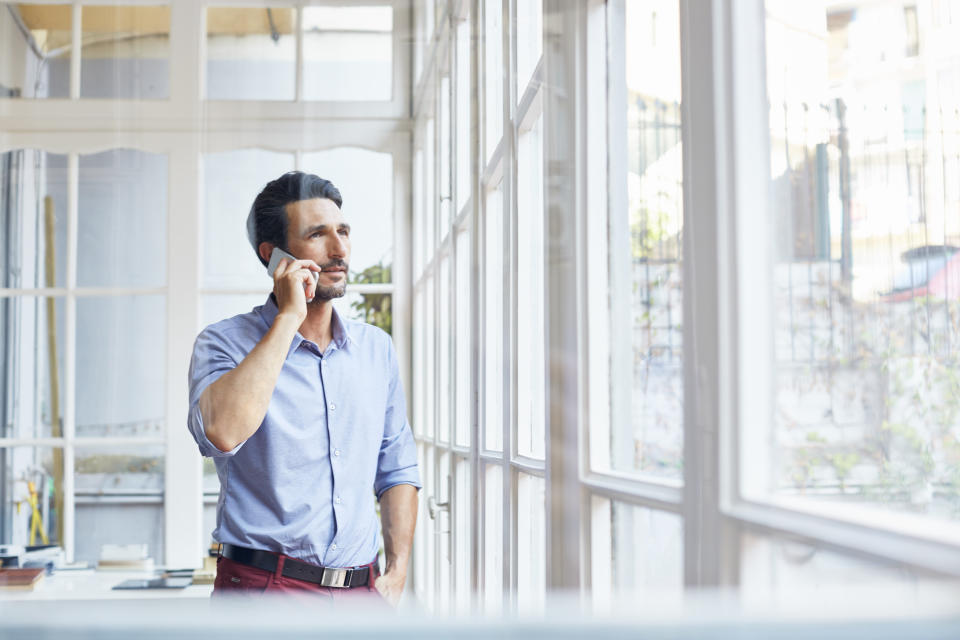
{"points": [[842, 464], [375, 308]]}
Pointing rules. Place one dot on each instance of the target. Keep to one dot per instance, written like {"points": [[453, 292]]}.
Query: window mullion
{"points": [[76, 27], [70, 355]]}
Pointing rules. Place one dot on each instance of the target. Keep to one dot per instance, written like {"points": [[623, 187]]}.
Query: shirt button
{"points": [[333, 407], [336, 452], [338, 500], [333, 547]]}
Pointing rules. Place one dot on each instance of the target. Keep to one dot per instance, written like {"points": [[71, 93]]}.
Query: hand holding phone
{"points": [[278, 255]]}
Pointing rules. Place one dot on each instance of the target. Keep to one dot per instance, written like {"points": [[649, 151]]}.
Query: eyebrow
{"points": [[323, 228]]}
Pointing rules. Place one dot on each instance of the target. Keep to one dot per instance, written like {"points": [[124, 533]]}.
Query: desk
{"points": [[98, 585]]}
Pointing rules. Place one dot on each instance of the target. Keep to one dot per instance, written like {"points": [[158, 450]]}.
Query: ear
{"points": [[265, 249]]}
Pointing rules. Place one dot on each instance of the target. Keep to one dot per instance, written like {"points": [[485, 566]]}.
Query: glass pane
{"points": [[32, 331], [493, 539], [867, 319], [115, 247], [102, 475], [251, 53], [771, 564], [232, 180], [494, 293], [420, 391], [647, 424], [419, 40], [113, 470], [463, 535], [531, 372], [217, 307], [529, 41], [429, 540], [348, 53], [635, 549], [419, 214], [531, 543], [121, 366], [36, 63], [430, 194], [446, 157], [125, 52], [211, 481], [493, 73], [372, 308], [444, 531], [463, 115], [464, 331], [32, 483], [443, 347], [33, 212], [365, 181], [430, 364]]}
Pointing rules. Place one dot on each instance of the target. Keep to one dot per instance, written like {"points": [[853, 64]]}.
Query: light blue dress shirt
{"points": [[335, 434]]}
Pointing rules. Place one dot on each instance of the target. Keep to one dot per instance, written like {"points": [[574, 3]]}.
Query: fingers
{"points": [[288, 266], [302, 271]]}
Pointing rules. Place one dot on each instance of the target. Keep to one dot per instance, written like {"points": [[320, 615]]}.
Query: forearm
{"points": [[234, 406], [398, 515]]}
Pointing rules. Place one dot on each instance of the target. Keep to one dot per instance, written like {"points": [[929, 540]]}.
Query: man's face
{"points": [[317, 231]]}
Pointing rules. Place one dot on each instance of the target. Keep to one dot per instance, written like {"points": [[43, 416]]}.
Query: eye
{"points": [[345, 232]]}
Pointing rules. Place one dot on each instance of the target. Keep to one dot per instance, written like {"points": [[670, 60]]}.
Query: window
{"points": [[43, 52], [125, 52], [530, 295], [493, 302], [344, 43], [232, 179], [84, 344], [865, 293], [251, 53], [493, 65], [645, 243]]}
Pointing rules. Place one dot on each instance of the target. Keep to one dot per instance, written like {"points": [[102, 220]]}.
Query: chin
{"points": [[325, 294]]}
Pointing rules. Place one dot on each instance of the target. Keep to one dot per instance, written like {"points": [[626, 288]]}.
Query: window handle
{"points": [[434, 507]]}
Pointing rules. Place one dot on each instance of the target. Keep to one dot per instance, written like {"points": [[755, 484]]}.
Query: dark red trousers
{"points": [[234, 578]]}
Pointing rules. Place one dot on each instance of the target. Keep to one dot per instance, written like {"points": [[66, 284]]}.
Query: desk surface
{"points": [[89, 585]]}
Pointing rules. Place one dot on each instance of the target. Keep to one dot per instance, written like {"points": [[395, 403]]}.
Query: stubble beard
{"points": [[325, 294]]}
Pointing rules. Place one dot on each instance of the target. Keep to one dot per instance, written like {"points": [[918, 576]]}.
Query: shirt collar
{"points": [[341, 335]]}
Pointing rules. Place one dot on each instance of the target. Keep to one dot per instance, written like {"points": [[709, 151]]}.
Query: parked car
{"points": [[930, 270]]}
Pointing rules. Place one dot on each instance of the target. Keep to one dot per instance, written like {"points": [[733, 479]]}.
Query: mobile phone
{"points": [[278, 255]]}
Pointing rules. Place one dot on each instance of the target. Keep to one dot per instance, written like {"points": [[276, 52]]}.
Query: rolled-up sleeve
{"points": [[210, 360], [398, 451]]}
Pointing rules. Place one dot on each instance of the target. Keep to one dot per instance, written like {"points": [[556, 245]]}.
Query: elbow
{"points": [[220, 441]]}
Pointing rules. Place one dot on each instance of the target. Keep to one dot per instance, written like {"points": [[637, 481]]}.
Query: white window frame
{"points": [[725, 150]]}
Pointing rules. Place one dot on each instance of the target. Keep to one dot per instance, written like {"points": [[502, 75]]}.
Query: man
{"points": [[304, 415]]}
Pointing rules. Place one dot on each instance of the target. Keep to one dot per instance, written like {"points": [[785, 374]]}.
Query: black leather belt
{"points": [[345, 578]]}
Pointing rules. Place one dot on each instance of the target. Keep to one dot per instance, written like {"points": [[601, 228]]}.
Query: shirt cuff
{"points": [[206, 447], [413, 482]]}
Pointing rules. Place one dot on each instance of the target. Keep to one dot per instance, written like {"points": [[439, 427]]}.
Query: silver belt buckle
{"points": [[336, 578]]}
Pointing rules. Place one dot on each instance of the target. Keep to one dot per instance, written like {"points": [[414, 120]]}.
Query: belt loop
{"points": [[279, 572]]}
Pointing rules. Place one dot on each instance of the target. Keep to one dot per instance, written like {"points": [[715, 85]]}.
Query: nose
{"points": [[338, 247]]}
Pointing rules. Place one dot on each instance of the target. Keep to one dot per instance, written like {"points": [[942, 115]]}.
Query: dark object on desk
{"points": [[155, 583]]}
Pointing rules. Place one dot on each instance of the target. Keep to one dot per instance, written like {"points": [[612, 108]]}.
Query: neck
{"points": [[317, 327]]}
